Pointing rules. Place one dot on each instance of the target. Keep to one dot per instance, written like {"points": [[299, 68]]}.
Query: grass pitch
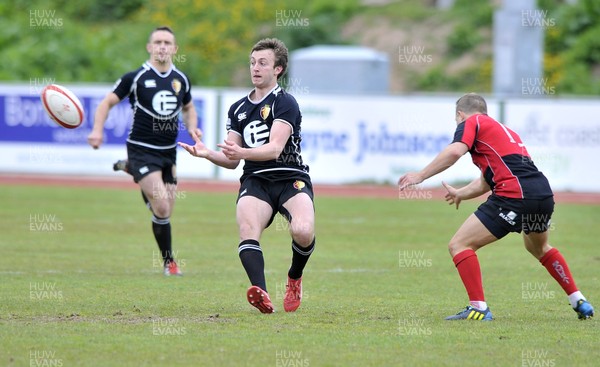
{"points": [[82, 286]]}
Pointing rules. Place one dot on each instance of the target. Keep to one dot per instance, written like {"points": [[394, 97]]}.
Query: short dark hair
{"points": [[161, 28], [471, 103], [278, 48]]}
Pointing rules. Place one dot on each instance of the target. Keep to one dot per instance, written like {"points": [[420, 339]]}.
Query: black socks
{"points": [[299, 259], [252, 259], [161, 227]]}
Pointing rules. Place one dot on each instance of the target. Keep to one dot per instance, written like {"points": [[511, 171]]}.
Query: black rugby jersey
{"points": [[253, 121], [156, 99]]}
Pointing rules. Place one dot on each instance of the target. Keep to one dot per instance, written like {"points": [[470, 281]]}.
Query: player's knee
{"points": [[161, 208], [302, 232], [454, 247], [249, 230]]}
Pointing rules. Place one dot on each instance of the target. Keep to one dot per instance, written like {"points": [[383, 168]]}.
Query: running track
{"points": [[121, 181]]}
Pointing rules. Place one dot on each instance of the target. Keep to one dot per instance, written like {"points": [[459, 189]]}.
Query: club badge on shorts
{"points": [[299, 185]]}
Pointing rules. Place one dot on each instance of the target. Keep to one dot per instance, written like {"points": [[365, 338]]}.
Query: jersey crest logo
{"points": [[264, 111], [176, 84]]}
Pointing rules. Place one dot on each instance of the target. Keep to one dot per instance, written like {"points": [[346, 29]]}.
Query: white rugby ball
{"points": [[62, 106]]}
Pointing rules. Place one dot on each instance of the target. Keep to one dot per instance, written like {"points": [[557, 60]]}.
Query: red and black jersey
{"points": [[502, 158]]}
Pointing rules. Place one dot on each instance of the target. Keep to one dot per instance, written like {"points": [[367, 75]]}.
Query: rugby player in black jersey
{"points": [[264, 131], [158, 92]]}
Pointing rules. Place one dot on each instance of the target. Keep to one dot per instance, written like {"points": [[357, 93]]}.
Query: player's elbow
{"points": [[232, 164], [274, 152], [456, 150]]}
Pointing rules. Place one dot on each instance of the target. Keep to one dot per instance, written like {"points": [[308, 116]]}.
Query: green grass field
{"points": [[81, 287]]}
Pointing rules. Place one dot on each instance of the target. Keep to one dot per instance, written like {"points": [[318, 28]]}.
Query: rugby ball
{"points": [[62, 106]]}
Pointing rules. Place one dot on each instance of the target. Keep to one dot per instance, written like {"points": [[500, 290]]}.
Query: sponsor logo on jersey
{"points": [[256, 133], [164, 102], [242, 116], [264, 111], [176, 84], [299, 185], [150, 83]]}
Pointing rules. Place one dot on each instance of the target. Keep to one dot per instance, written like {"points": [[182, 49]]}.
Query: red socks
{"points": [[556, 265], [468, 268]]}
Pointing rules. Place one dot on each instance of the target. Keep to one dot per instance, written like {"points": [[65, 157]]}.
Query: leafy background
{"points": [[98, 40]]}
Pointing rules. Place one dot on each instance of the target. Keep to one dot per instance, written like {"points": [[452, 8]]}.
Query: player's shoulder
{"points": [[130, 75], [237, 104], [180, 73], [282, 97], [125, 82], [481, 118]]}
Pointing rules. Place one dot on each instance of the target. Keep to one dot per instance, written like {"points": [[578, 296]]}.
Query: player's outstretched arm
{"points": [[96, 137], [444, 160], [202, 151]]}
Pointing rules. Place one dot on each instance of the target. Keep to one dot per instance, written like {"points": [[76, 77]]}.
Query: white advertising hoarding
{"points": [[349, 139], [32, 143], [563, 138], [346, 139]]}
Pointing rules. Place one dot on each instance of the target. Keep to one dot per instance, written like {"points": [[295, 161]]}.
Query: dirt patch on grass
{"points": [[118, 317]]}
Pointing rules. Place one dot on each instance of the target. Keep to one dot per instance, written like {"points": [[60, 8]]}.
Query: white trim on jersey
{"points": [[174, 69], [297, 153], [240, 106], [151, 145], [162, 75], [279, 169], [286, 122], [133, 84], [263, 98], [158, 117], [133, 90]]}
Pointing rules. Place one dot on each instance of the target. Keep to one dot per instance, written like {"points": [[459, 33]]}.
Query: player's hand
{"points": [[409, 179], [232, 150], [95, 139], [452, 195], [198, 149], [195, 132]]}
